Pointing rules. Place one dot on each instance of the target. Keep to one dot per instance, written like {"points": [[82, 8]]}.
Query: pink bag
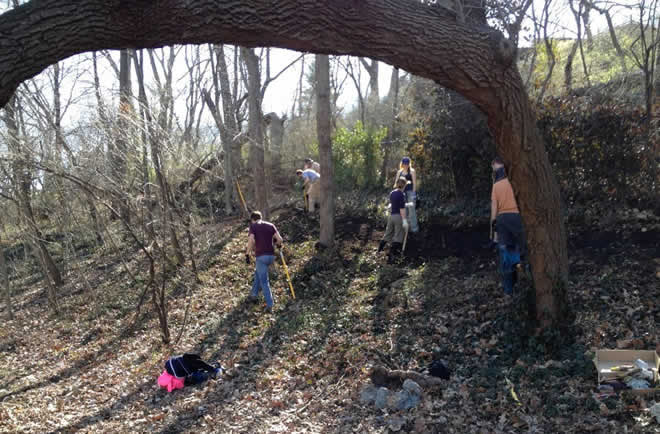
{"points": [[170, 382]]}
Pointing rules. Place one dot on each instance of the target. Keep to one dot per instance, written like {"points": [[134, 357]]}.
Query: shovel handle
{"points": [[288, 278]]}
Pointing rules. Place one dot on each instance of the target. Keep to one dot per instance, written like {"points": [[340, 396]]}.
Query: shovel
{"points": [[240, 194]]}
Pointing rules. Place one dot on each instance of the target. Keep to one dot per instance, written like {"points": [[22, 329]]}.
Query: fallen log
{"points": [[392, 378]]}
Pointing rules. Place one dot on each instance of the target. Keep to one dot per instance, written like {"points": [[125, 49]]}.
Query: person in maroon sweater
{"points": [[260, 241]]}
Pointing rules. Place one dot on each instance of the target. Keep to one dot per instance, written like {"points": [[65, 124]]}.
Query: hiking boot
{"points": [[394, 252], [251, 299], [381, 246], [268, 309]]}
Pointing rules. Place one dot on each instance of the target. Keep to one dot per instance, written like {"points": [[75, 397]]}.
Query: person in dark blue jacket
{"points": [[397, 224], [185, 370]]}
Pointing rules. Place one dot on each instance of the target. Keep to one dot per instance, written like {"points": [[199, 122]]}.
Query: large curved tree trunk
{"points": [[427, 41]]}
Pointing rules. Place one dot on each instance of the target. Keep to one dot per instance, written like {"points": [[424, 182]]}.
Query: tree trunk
{"points": [[276, 125], [475, 61], [373, 99], [22, 179], [256, 131], [393, 99], [568, 69], [323, 131], [5, 282], [231, 130], [156, 158], [119, 152]]}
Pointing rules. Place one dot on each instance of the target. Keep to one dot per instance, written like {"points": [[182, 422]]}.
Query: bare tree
{"points": [[194, 102], [22, 181], [4, 272], [430, 42], [355, 75], [568, 68], [373, 96], [276, 127], [392, 133], [545, 17], [118, 150], [605, 10], [155, 136], [255, 129], [578, 13], [323, 130]]}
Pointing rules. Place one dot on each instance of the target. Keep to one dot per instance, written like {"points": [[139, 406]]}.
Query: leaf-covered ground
{"points": [[301, 369]]}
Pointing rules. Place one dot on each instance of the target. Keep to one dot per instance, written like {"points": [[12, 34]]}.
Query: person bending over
{"points": [[311, 185], [507, 224]]}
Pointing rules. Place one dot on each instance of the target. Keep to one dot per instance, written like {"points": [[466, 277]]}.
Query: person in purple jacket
{"points": [[260, 242]]}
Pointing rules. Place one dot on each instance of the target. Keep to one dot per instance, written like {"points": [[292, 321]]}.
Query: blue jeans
{"points": [[261, 278]]}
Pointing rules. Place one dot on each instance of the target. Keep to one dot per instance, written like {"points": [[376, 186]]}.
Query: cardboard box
{"points": [[605, 360]]}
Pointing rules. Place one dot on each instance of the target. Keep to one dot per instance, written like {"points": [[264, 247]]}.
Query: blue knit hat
{"points": [[405, 160]]}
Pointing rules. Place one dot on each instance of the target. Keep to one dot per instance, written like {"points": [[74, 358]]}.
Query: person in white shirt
{"points": [[311, 186]]}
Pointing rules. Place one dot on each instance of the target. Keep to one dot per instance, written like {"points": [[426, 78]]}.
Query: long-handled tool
{"points": [[288, 278], [405, 239], [240, 195]]}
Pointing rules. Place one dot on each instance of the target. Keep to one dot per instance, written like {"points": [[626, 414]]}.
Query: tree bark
{"points": [[226, 144], [474, 60], [119, 152], [276, 126], [5, 282], [323, 131], [373, 99], [22, 179], [256, 131], [568, 68], [393, 99], [166, 197]]}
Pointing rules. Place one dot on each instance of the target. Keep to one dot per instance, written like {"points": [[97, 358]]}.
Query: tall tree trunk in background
{"points": [[577, 13], [474, 60], [5, 282], [57, 114], [232, 130], [166, 198], [226, 144], [374, 96], [255, 130], [568, 68], [22, 179], [300, 88], [323, 130], [550, 53], [119, 152], [276, 125], [586, 19], [620, 54], [148, 219], [390, 140]]}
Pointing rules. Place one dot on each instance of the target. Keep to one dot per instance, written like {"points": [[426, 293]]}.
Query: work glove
{"points": [[217, 372], [247, 258], [405, 225]]}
